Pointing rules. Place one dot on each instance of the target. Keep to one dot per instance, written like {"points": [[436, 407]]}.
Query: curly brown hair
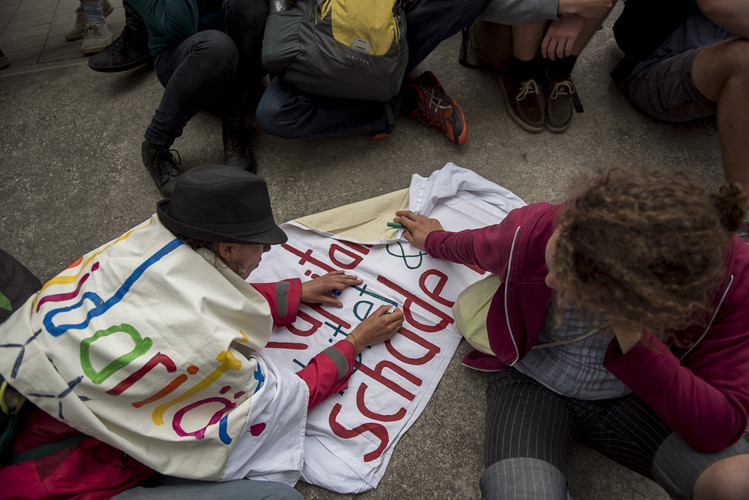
{"points": [[649, 244]]}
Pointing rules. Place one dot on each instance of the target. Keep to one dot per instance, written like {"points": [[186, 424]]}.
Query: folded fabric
{"points": [[351, 437]]}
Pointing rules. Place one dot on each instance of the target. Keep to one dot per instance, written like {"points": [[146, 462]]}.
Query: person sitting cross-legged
{"points": [[620, 322]]}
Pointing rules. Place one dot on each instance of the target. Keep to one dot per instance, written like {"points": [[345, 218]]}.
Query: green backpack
{"points": [[352, 49]]}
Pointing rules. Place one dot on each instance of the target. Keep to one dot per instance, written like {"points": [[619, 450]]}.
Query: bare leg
{"points": [[721, 73], [526, 38], [725, 479]]}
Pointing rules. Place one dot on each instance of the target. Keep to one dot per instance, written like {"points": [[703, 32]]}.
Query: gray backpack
{"points": [[352, 49]]}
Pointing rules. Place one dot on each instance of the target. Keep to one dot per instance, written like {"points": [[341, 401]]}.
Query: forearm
{"points": [[283, 297], [705, 413], [479, 247], [328, 372]]}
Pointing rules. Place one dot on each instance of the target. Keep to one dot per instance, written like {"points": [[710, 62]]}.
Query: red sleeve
{"points": [[328, 372], [489, 247], [705, 404], [283, 297]]}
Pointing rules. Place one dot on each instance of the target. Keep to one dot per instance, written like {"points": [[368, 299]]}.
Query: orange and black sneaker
{"points": [[434, 108], [378, 136]]}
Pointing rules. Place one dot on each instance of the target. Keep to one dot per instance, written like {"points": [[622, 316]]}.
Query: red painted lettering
{"points": [[435, 294], [377, 375], [476, 269], [375, 416], [432, 349], [294, 328], [379, 431], [158, 359], [411, 302], [296, 346], [307, 257], [362, 249], [170, 387], [353, 260], [200, 433]]}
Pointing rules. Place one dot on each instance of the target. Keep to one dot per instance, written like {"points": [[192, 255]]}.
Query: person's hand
{"points": [[561, 35], [321, 290], [417, 227], [589, 9], [377, 327]]}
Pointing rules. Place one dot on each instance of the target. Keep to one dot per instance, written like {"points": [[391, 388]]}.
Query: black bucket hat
{"points": [[221, 203]]}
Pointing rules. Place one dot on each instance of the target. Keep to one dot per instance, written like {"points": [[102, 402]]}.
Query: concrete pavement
{"points": [[73, 179]]}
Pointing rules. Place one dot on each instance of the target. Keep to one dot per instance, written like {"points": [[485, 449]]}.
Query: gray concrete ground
{"points": [[72, 179]]}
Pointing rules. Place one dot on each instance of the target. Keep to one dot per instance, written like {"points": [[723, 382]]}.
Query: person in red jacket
{"points": [[226, 211], [621, 322]]}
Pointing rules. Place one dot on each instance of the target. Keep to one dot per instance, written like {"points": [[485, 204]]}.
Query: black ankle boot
{"points": [[129, 51], [162, 166], [238, 148]]}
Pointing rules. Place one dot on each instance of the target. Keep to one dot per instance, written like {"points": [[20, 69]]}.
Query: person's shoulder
{"points": [[738, 256], [535, 213], [737, 268]]}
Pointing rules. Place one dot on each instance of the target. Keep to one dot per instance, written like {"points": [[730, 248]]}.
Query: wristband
{"points": [[356, 344]]}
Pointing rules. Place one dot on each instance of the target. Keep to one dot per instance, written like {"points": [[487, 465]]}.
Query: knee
{"points": [[219, 50], [726, 479], [282, 113], [718, 10], [526, 477], [268, 116], [733, 61], [740, 54]]}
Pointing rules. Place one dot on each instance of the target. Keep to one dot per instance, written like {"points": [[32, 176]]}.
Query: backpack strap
{"points": [[47, 449], [16, 285]]}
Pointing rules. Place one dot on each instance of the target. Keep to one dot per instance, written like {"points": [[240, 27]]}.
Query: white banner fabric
{"points": [[351, 436]]}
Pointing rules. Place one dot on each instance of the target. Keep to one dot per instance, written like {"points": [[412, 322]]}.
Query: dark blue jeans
{"points": [[216, 67], [285, 111]]}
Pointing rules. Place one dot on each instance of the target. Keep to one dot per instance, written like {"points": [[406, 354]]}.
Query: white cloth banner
{"points": [[138, 344], [351, 436]]}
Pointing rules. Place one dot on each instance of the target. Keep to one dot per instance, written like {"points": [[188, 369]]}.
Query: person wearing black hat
{"points": [[224, 214], [227, 211]]}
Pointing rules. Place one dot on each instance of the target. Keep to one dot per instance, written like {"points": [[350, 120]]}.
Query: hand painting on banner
{"points": [[326, 289], [417, 227]]}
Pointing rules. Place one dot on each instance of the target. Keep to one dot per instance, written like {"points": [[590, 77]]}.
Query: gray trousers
{"points": [[184, 489], [531, 430]]}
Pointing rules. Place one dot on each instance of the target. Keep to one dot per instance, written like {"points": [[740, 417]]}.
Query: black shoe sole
{"points": [[557, 130], [122, 67]]}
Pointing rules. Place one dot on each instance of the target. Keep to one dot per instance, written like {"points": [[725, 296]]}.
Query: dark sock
{"points": [[561, 68], [409, 100], [521, 70]]}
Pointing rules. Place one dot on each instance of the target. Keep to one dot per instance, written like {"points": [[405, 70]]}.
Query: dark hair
{"points": [[195, 244], [649, 244]]}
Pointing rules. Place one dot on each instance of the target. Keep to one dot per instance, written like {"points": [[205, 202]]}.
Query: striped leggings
{"points": [[531, 430]]}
